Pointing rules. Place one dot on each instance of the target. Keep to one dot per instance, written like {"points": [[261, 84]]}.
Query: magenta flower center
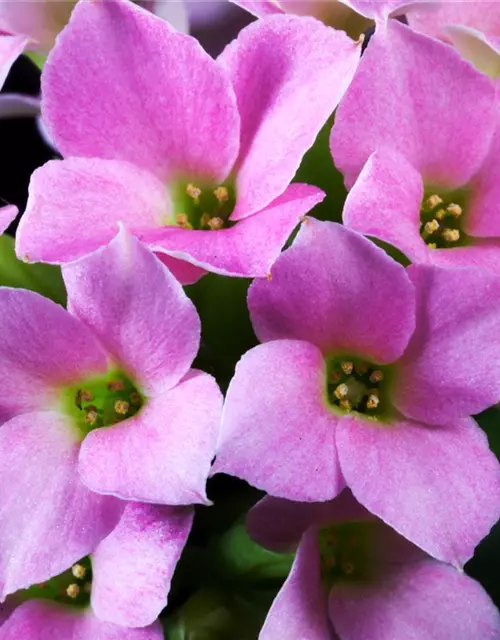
{"points": [[102, 401], [441, 219], [72, 587], [206, 208], [345, 553], [357, 385]]}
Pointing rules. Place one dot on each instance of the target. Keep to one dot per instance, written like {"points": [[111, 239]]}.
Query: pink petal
{"points": [[277, 431], [415, 601], [405, 97], [300, 608], [132, 568], [42, 347], [483, 208], [250, 247], [11, 48], [49, 518], [163, 454], [46, 620], [380, 10], [260, 8], [288, 74], [385, 203], [184, 272], [41, 20], [451, 368], [483, 253], [177, 110], [482, 50], [437, 486], [154, 330], [348, 282], [7, 215], [94, 195]]}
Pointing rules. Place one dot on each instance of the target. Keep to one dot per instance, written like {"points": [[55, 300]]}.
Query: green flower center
{"points": [[345, 553], [202, 207], [441, 219], [102, 401], [354, 385], [70, 588]]}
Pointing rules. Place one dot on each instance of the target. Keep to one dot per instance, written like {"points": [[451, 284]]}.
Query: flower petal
{"points": [[300, 608], [11, 48], [348, 282], [154, 330], [132, 568], [437, 486], [483, 208], [42, 347], [483, 51], [41, 20], [415, 601], [7, 215], [288, 74], [177, 110], [250, 247], [260, 8], [163, 454], [46, 620], [416, 96], [277, 432], [451, 368], [89, 194], [49, 519]]}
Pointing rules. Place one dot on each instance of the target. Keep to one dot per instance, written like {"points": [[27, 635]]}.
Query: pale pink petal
{"points": [[483, 253], [414, 602], [42, 348], [437, 486], [41, 20], [347, 282], [7, 215], [167, 107], [483, 51], [247, 249], [173, 11], [11, 48], [300, 608], [49, 519], [132, 568], [137, 309], [416, 96], [46, 620], [277, 431], [289, 74], [451, 368], [91, 196], [260, 8], [385, 203], [482, 217], [184, 272], [163, 454]]}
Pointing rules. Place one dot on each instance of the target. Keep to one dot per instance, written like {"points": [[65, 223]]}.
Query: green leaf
{"points": [[42, 278]]}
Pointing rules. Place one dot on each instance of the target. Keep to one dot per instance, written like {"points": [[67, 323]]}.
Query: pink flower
{"points": [[422, 152], [116, 593], [354, 578], [367, 376], [7, 215], [194, 156], [119, 359]]}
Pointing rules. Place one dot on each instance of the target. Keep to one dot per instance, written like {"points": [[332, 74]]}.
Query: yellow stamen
{"points": [[431, 226], [373, 401], [78, 571], [432, 202], [116, 385], [204, 220], [454, 210], [345, 404], [432, 245], [216, 223], [341, 391], [222, 194], [121, 407], [193, 191], [91, 415], [182, 221], [451, 235], [376, 376], [347, 367], [73, 590], [441, 214]]}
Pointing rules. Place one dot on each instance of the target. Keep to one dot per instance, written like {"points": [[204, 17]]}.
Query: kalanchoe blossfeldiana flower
{"points": [[199, 161], [367, 376], [354, 578], [97, 401], [116, 593], [424, 153]]}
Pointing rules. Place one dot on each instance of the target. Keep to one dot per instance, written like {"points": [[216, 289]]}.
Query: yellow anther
{"points": [[73, 590], [454, 210], [373, 401], [347, 367], [222, 194], [341, 391], [91, 415], [86, 395], [376, 376], [345, 404], [451, 235], [216, 223], [193, 191], [121, 407], [78, 571], [116, 385], [432, 202], [441, 214], [204, 220], [135, 399], [432, 245], [431, 226], [182, 221]]}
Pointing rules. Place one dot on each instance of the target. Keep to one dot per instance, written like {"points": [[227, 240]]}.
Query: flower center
{"points": [[70, 588], [356, 385], [197, 206], [441, 219], [344, 552], [102, 401]]}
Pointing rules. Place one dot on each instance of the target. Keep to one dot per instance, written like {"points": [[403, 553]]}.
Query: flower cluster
{"points": [[379, 337]]}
